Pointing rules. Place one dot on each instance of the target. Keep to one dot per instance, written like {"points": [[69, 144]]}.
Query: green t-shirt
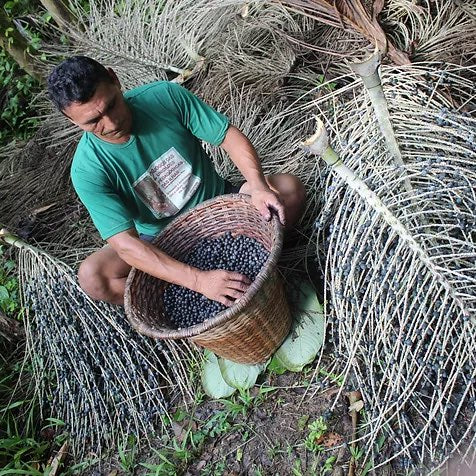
{"points": [[161, 171]]}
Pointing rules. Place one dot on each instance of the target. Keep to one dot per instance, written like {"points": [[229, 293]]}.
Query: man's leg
{"points": [[102, 276], [291, 193]]}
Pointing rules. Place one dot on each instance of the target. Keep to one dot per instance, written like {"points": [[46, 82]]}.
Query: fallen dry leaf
{"points": [[58, 459], [356, 406], [329, 440], [36, 211]]}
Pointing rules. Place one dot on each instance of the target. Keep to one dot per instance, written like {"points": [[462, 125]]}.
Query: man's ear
{"points": [[114, 77]]}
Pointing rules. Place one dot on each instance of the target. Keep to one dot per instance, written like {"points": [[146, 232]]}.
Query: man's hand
{"points": [[265, 200], [222, 286], [244, 155]]}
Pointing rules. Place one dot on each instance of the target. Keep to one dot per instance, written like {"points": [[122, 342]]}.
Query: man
{"points": [[140, 162]]}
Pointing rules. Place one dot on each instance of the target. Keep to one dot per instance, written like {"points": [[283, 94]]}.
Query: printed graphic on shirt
{"points": [[167, 185]]}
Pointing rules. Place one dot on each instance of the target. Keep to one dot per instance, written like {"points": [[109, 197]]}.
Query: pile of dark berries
{"points": [[242, 254]]}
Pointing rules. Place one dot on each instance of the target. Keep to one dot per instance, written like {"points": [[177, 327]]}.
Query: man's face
{"points": [[106, 114]]}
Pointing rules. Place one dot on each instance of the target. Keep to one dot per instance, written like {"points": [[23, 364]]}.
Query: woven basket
{"points": [[249, 331]]}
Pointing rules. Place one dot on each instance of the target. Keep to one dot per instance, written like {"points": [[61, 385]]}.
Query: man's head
{"points": [[90, 96]]}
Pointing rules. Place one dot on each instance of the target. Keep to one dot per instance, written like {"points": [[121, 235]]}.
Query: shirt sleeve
{"points": [[200, 119], [107, 210]]}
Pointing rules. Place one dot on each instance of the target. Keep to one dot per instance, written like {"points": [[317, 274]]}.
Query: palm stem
{"points": [[318, 145]]}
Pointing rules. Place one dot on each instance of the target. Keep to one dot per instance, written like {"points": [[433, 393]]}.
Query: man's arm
{"points": [[208, 125], [244, 155], [218, 285]]}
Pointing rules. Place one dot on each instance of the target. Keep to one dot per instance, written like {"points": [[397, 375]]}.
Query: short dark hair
{"points": [[76, 80]]}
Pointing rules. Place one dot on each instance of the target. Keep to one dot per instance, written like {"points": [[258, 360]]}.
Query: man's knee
{"points": [[293, 195], [296, 200], [298, 189], [92, 281], [291, 188], [102, 275]]}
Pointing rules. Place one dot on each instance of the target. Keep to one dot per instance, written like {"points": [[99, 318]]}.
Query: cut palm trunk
{"points": [[368, 71]]}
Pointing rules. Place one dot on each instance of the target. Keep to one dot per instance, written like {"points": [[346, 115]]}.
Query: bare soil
{"points": [[272, 437], [269, 438]]}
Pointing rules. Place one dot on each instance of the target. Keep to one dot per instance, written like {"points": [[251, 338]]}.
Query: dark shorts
{"points": [[145, 237], [229, 188]]}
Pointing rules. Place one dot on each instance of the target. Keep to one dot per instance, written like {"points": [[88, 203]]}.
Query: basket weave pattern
{"points": [[249, 331]]}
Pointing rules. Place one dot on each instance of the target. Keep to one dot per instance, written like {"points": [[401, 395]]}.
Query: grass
{"points": [[9, 289], [179, 451], [163, 467], [297, 469], [22, 449], [317, 429], [127, 454], [25, 447], [328, 465], [245, 400], [335, 379]]}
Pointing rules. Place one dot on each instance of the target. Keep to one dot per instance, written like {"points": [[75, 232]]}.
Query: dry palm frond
{"points": [[45, 173], [433, 30], [142, 41], [146, 40], [350, 14], [91, 369], [36, 198], [248, 55], [275, 124], [251, 51], [402, 284], [9, 150], [334, 46]]}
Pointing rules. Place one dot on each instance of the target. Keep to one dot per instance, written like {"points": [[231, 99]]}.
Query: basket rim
{"points": [[227, 314]]}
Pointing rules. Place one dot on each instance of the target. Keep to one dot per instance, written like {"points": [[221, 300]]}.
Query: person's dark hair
{"points": [[76, 80]]}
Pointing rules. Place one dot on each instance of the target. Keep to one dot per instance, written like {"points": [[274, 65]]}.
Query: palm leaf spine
{"points": [[368, 71], [318, 144]]}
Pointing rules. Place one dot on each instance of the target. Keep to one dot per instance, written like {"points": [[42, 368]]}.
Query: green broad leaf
{"points": [[212, 381], [9, 265], [4, 294], [240, 376], [307, 333], [276, 367]]}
